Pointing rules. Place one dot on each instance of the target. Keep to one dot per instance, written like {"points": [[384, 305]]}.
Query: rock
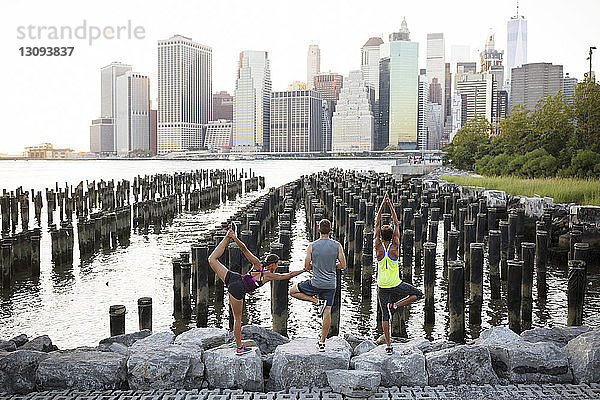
{"points": [[127, 339], [495, 198], [7, 345], [267, 360], [365, 346], [353, 384], [114, 348], [381, 340], [40, 343], [159, 339], [439, 345], [520, 361], [460, 364], [82, 369], [497, 334], [405, 367], [584, 356], [266, 339], [559, 335], [19, 340], [587, 216], [535, 206], [225, 369], [164, 367], [18, 369], [300, 363], [205, 338], [471, 192], [353, 340], [233, 345]]}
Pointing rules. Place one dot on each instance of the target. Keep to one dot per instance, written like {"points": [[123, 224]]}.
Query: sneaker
{"points": [[242, 350], [321, 346], [389, 350], [321, 306], [392, 307]]}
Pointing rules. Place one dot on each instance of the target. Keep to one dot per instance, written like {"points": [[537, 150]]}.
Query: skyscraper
{"points": [[353, 123], [490, 57], [251, 102], [132, 123], [436, 64], [222, 103], [478, 95], [313, 65], [398, 91], [434, 125], [296, 121], [369, 65], [108, 89], [329, 85], [532, 82], [102, 136], [184, 93], [218, 135], [422, 112], [568, 87], [516, 29]]}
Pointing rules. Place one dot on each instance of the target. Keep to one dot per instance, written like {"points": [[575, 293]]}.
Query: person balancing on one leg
{"points": [[323, 257], [238, 285], [393, 293]]}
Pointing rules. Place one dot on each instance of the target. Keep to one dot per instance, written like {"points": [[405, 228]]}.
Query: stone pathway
{"points": [[468, 392]]}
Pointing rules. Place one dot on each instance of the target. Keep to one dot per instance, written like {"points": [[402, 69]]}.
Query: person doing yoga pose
{"points": [[238, 285]]}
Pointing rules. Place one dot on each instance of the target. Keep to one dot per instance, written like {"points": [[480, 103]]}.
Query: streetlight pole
{"points": [[592, 48]]}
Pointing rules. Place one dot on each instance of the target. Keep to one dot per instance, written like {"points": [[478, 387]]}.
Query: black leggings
{"points": [[235, 286]]}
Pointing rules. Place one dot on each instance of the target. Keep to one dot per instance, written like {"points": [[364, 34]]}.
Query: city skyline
{"points": [[72, 83]]}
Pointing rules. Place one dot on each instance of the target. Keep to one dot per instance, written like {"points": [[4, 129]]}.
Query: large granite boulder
{"points": [[521, 361], [18, 369], [354, 340], [204, 338], [40, 343], [82, 369], [460, 364], [300, 363], [364, 347], [497, 334], [352, 383], [584, 356], [168, 366], [405, 367], [20, 340], [159, 339], [559, 335], [226, 369], [495, 198], [127, 339], [7, 345], [266, 339]]}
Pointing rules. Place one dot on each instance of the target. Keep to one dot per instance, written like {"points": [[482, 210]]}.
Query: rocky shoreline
{"points": [[203, 358]]}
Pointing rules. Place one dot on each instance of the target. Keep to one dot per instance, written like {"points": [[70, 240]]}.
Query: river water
{"points": [[70, 304]]}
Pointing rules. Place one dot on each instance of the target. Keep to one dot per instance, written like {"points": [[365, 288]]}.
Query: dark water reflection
{"points": [[70, 303]]}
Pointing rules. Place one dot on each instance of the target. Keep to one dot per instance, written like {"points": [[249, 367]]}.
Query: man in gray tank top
{"points": [[323, 256]]}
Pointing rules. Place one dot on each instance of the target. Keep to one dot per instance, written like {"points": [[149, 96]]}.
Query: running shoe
{"points": [[392, 307], [242, 350], [389, 350], [321, 306], [321, 346]]}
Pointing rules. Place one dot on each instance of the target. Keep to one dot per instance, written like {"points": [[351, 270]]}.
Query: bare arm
{"points": [[396, 224], [377, 232], [308, 259], [247, 253], [219, 250], [275, 276], [341, 264]]}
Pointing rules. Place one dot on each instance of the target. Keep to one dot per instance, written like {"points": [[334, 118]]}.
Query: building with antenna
{"points": [[516, 39], [490, 57]]}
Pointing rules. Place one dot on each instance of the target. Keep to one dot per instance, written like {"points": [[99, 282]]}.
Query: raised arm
{"points": [[377, 232], [219, 250], [247, 253], [396, 224], [275, 276], [308, 258], [341, 263]]}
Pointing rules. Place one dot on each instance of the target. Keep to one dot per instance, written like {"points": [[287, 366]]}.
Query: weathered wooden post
{"points": [[176, 286], [476, 283], [117, 319], [528, 257], [494, 239], [456, 301], [513, 297], [145, 312], [429, 281], [576, 292], [280, 301]]}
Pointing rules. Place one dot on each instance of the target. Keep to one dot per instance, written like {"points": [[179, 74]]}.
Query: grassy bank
{"points": [[562, 190]]}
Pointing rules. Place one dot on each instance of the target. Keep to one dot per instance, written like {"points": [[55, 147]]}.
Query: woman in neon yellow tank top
{"points": [[393, 293]]}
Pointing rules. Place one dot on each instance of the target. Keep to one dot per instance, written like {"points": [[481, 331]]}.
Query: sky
{"points": [[53, 99]]}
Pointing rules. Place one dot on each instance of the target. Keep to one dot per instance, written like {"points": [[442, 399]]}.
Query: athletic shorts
{"points": [[392, 295], [308, 289], [234, 284]]}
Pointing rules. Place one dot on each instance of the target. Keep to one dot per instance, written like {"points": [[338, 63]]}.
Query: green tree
{"points": [[539, 164], [470, 143], [586, 111], [513, 130], [585, 164], [552, 125]]}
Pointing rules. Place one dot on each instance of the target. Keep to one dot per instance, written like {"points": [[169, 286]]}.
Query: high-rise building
{"points": [[313, 65], [422, 112], [353, 123], [435, 91], [435, 125], [327, 107], [532, 82], [222, 104], [153, 126], [478, 95], [184, 93], [398, 91], [466, 67], [436, 66], [457, 120], [501, 110], [251, 102], [296, 121], [490, 57], [219, 135], [108, 89], [329, 84], [132, 123], [369, 65], [102, 136], [568, 87], [516, 39], [448, 92]]}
